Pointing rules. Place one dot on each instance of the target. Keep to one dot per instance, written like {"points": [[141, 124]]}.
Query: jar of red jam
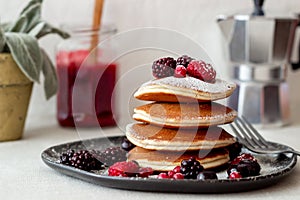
{"points": [[86, 79]]}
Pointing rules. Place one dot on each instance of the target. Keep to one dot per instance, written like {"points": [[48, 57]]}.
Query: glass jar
{"points": [[86, 79]]}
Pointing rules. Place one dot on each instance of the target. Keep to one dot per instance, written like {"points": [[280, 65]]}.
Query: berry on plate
{"points": [[191, 168], [129, 169], [125, 169], [82, 159], [245, 164]]}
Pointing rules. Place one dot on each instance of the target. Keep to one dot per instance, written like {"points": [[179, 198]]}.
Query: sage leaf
{"points": [[28, 19], [20, 25], [50, 78], [35, 31], [2, 40], [6, 26], [44, 28], [26, 52], [31, 3]]}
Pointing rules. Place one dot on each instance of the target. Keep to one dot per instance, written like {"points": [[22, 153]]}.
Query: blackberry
{"points": [[184, 60], [86, 161], [234, 150], [163, 67], [82, 160], [66, 158], [126, 144], [191, 168], [245, 167], [111, 155]]}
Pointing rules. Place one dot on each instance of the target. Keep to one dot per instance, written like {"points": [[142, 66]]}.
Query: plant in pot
{"points": [[22, 61]]}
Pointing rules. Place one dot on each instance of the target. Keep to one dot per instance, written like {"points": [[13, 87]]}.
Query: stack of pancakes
{"points": [[181, 121]]}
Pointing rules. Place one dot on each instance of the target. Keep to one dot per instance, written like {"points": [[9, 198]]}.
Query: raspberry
{"points": [[243, 156], [202, 71], [184, 60], [235, 175], [180, 71], [163, 67], [125, 169], [171, 173], [191, 168], [178, 176], [145, 171], [163, 176], [176, 169]]}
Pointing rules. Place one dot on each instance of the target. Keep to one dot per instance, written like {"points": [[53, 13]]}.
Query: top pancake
{"points": [[188, 89]]}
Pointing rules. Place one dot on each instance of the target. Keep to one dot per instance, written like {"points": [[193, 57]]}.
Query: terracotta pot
{"points": [[15, 92]]}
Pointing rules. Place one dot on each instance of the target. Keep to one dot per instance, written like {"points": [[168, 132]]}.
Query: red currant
{"points": [[235, 175], [180, 71]]}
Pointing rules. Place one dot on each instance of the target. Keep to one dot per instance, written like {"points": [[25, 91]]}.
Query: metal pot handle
{"points": [[258, 10]]}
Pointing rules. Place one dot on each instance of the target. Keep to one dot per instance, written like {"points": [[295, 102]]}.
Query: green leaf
{"points": [[26, 53], [31, 3], [20, 25], [43, 28], [6, 26], [2, 40], [50, 78], [28, 19]]}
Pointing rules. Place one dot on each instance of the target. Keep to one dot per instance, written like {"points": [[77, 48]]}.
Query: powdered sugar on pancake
{"points": [[220, 86]]}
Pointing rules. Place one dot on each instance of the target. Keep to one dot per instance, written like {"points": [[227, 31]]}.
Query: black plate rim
{"points": [[109, 181]]}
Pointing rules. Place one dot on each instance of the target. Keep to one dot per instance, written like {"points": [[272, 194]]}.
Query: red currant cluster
{"points": [[174, 174]]}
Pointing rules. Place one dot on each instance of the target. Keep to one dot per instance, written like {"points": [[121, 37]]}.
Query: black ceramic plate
{"points": [[274, 168]]}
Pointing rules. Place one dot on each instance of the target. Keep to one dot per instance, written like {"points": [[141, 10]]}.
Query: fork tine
{"points": [[242, 135], [255, 132], [247, 137], [252, 137]]}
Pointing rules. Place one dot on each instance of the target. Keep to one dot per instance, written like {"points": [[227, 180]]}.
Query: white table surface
{"points": [[23, 175]]}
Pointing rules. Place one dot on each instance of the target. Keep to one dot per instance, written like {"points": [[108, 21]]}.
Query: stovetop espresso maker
{"points": [[259, 52]]}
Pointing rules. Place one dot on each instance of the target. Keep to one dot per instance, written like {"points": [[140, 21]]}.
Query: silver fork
{"points": [[250, 137]]}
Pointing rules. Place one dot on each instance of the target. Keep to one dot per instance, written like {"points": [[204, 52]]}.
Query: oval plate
{"points": [[274, 168]]}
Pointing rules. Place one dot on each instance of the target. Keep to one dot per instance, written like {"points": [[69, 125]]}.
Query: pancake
{"points": [[174, 115], [157, 138], [188, 89], [167, 160]]}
